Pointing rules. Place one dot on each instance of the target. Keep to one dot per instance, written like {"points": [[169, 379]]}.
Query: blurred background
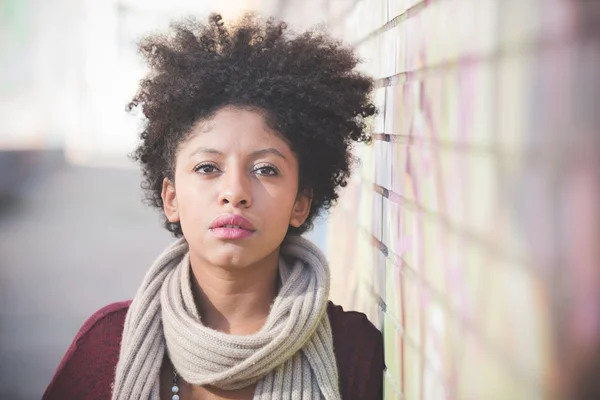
{"points": [[468, 234]]}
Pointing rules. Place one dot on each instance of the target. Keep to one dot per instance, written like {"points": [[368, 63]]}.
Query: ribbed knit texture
{"points": [[291, 357]]}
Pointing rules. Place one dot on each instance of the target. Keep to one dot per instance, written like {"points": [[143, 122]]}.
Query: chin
{"points": [[231, 256]]}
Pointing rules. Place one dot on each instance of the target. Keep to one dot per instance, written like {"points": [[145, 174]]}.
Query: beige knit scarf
{"points": [[291, 357]]}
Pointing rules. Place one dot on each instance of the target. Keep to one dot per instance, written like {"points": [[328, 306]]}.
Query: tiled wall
{"points": [[446, 235], [467, 231]]}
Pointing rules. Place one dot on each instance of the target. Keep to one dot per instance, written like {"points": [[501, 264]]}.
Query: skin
{"points": [[233, 163]]}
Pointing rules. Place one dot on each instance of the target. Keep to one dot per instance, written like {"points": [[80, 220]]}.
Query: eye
{"points": [[206, 168], [266, 170]]}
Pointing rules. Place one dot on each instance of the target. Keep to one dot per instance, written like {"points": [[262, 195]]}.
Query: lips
{"points": [[232, 221], [231, 226]]}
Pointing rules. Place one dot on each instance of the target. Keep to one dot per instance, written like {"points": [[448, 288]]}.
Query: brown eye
{"points": [[266, 170], [206, 168]]}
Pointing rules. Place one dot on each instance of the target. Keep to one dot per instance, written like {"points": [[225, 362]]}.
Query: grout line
{"points": [[465, 323], [491, 57], [394, 22], [468, 236]]}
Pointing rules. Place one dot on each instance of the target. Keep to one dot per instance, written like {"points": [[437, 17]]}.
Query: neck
{"points": [[235, 301]]}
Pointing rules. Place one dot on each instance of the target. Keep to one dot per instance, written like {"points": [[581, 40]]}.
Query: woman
{"points": [[248, 137]]}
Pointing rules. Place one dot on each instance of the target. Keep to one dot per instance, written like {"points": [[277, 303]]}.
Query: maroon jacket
{"points": [[86, 372]]}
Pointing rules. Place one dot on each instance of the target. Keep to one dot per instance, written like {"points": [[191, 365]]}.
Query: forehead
{"points": [[234, 129]]}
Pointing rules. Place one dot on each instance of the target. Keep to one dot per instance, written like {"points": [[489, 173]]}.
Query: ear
{"points": [[301, 208], [169, 198]]}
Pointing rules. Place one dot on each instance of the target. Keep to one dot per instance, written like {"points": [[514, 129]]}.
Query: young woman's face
{"points": [[236, 190]]}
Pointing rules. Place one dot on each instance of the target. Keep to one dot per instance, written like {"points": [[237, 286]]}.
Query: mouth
{"points": [[231, 226]]}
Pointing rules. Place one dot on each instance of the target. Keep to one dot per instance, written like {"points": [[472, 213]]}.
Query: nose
{"points": [[236, 189]]}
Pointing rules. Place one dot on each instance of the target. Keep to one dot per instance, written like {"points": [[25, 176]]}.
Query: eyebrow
{"points": [[208, 150], [270, 150]]}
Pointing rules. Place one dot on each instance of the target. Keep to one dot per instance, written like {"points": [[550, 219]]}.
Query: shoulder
{"points": [[358, 347], [108, 317], [103, 329], [90, 360], [352, 324]]}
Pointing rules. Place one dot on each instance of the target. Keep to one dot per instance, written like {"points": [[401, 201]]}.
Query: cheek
{"points": [[278, 206], [275, 197], [192, 199]]}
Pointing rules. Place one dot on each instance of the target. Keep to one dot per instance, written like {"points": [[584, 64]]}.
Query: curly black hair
{"points": [[305, 85]]}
